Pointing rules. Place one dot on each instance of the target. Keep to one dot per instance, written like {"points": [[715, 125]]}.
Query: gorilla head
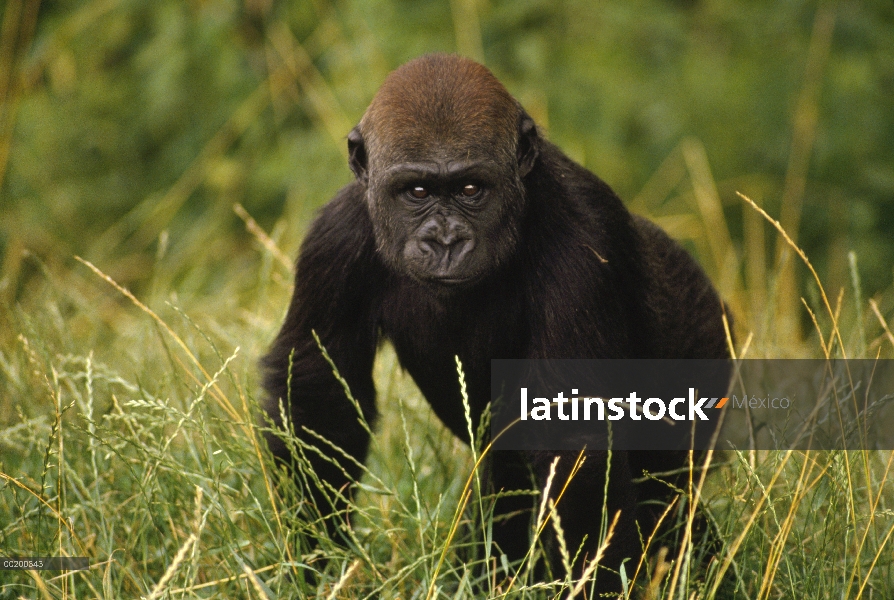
{"points": [[442, 149]]}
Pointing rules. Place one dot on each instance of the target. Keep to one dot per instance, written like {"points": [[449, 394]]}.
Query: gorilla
{"points": [[467, 234]]}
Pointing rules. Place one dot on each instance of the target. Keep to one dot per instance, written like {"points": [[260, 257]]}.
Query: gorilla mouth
{"points": [[451, 280]]}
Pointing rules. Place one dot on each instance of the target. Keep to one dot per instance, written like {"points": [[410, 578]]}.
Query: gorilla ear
{"points": [[357, 154], [528, 144]]}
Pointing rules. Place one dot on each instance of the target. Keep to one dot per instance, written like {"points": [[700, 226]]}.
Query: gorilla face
{"points": [[446, 222], [442, 152]]}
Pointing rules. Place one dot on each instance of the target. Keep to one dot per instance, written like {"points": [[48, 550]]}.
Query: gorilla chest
{"points": [[428, 336]]}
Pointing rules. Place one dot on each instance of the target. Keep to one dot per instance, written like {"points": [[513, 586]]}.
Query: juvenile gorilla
{"points": [[465, 233]]}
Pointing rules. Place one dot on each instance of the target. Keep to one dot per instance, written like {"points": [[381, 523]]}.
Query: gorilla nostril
{"points": [[460, 249], [425, 247]]}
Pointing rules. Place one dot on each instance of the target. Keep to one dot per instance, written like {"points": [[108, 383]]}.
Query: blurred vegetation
{"points": [[123, 119], [183, 147]]}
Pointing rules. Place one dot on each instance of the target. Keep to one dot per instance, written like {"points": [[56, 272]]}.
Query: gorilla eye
{"points": [[471, 190], [419, 192]]}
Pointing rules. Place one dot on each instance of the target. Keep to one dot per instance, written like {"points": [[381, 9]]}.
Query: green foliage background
{"points": [[164, 140], [126, 118]]}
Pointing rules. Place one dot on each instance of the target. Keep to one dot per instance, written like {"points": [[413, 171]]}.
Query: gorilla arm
{"points": [[333, 298]]}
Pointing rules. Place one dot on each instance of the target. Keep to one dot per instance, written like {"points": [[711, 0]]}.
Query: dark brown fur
{"points": [[543, 261]]}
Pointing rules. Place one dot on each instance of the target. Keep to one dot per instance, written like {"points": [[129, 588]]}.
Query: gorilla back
{"points": [[465, 233]]}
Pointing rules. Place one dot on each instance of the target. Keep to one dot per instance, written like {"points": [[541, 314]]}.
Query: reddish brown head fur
{"points": [[440, 104]]}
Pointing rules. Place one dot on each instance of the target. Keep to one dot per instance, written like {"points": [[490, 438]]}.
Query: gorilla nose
{"points": [[445, 252], [440, 246]]}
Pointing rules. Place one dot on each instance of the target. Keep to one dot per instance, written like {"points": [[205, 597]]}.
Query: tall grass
{"points": [[130, 436]]}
